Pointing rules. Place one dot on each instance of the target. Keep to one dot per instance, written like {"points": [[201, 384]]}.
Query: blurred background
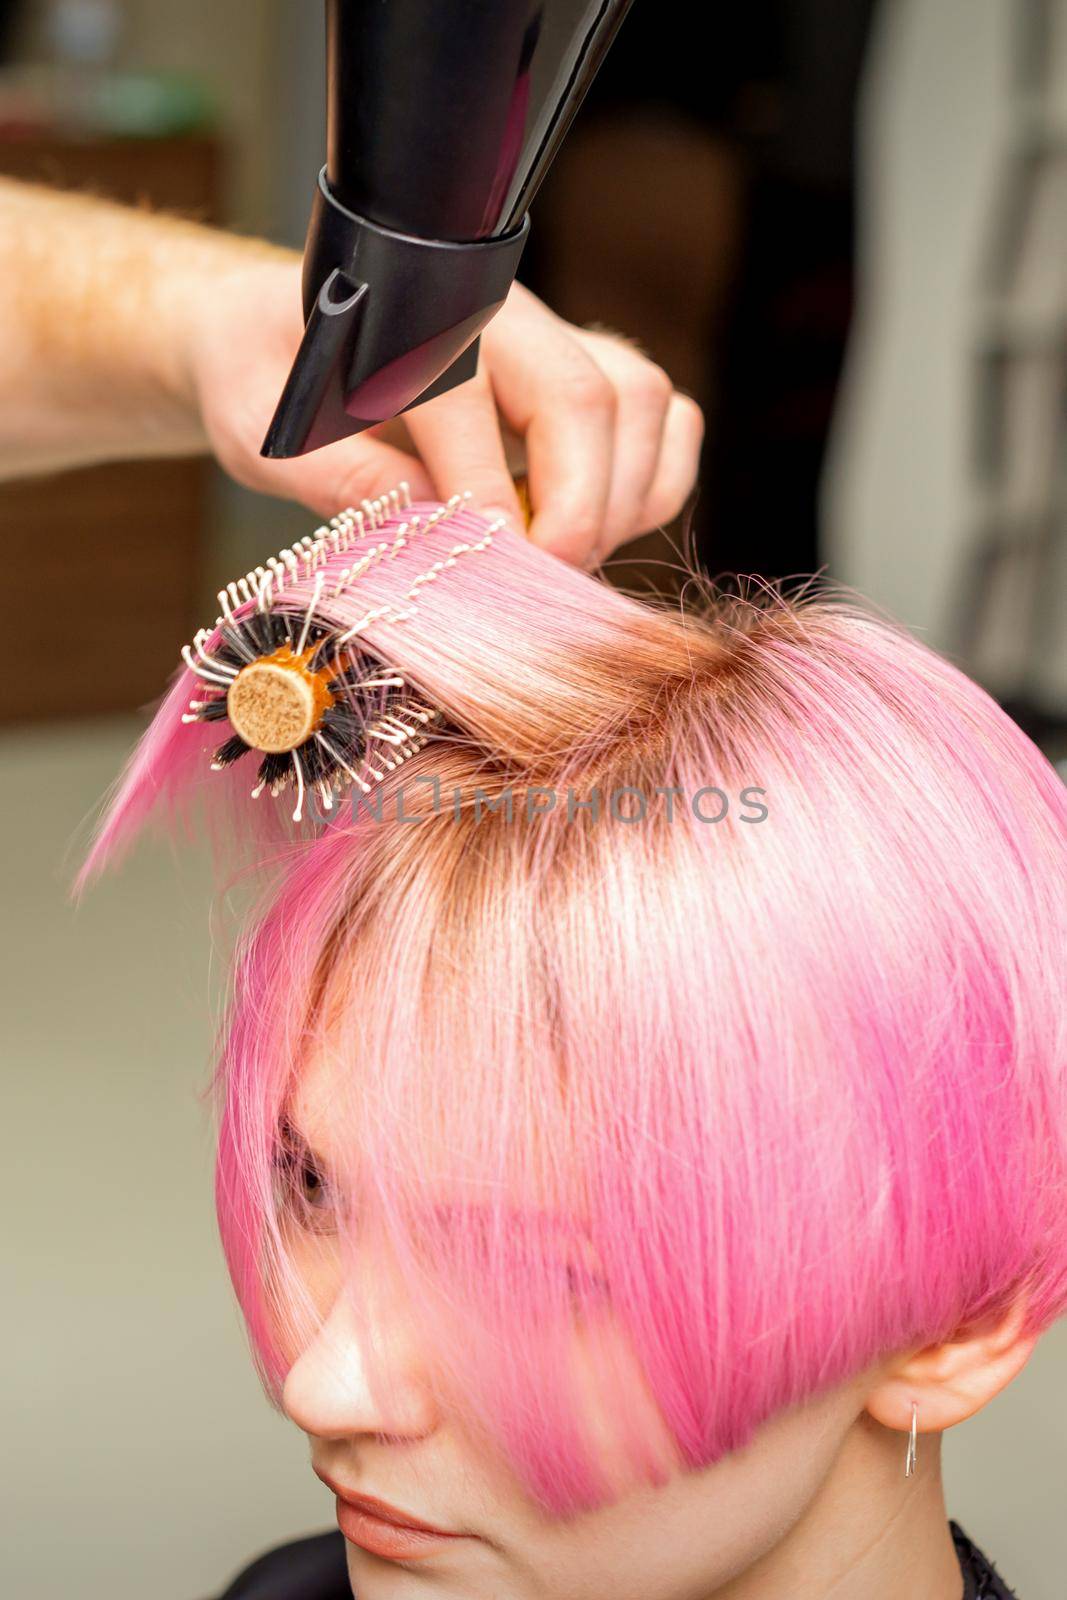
{"points": [[841, 224]]}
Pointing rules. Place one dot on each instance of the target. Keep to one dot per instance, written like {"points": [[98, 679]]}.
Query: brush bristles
{"points": [[318, 707]]}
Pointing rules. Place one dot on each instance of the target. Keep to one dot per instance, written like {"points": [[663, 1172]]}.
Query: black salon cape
{"points": [[314, 1569]]}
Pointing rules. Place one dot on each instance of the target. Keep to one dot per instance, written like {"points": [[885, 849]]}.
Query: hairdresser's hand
{"points": [[611, 449], [183, 338]]}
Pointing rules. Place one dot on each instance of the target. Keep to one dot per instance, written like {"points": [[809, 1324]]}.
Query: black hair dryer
{"points": [[443, 116]]}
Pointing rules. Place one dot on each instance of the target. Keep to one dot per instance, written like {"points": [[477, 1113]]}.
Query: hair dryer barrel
{"points": [[443, 117], [450, 140]]}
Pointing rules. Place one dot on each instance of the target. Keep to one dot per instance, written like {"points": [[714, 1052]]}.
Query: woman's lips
{"points": [[388, 1539], [383, 1529]]}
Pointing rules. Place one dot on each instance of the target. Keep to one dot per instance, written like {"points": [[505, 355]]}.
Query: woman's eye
{"points": [[312, 1184], [300, 1185]]}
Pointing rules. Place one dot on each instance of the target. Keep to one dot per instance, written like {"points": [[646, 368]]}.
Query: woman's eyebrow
{"points": [[291, 1133]]}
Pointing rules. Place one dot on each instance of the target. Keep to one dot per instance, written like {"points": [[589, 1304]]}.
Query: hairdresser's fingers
{"points": [[243, 333], [679, 463], [340, 475], [458, 438], [553, 394], [644, 393]]}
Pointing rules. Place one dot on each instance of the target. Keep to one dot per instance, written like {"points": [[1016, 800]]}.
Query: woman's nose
{"points": [[327, 1393]]}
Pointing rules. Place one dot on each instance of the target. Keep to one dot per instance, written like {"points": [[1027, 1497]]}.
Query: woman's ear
{"points": [[951, 1381]]}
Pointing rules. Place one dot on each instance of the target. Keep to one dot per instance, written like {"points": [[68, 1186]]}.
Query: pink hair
{"points": [[797, 1089]]}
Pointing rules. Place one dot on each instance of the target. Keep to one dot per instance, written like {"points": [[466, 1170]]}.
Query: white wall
{"points": [[932, 127], [898, 499]]}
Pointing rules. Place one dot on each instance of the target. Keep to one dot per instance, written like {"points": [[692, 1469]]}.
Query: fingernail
{"points": [[491, 513]]}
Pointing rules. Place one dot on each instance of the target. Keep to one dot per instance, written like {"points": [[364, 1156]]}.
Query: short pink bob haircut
{"points": [[776, 1095]]}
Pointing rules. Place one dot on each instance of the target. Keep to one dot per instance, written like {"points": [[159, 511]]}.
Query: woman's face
{"points": [[701, 1534]]}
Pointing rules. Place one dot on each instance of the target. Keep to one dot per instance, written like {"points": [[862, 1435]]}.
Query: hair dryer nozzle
{"points": [[392, 320], [442, 120]]}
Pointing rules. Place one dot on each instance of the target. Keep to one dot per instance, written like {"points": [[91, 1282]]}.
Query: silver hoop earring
{"points": [[909, 1460]]}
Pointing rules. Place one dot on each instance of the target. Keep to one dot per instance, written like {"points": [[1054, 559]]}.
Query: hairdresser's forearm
{"points": [[95, 311]]}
